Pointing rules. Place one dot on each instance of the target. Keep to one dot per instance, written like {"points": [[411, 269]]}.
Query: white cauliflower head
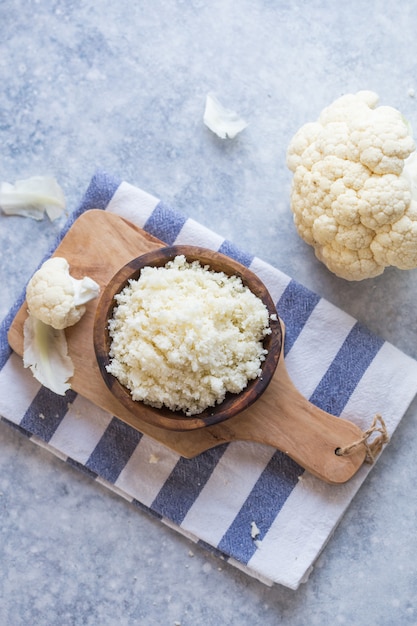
{"points": [[55, 297], [353, 195]]}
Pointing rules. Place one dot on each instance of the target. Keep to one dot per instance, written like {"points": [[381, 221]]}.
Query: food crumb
{"points": [[190, 553], [42, 416], [255, 532], [153, 458]]}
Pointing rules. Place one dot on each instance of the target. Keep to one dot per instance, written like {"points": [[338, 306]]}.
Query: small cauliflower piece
{"points": [[55, 301], [354, 194], [55, 297]]}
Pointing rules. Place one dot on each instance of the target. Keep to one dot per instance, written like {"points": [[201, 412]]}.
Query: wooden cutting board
{"points": [[98, 245]]}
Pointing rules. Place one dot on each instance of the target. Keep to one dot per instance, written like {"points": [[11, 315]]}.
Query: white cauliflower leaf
{"points": [[45, 352], [33, 197], [354, 193], [224, 122]]}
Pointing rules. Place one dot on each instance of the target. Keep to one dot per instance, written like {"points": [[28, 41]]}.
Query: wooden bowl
{"points": [[233, 403]]}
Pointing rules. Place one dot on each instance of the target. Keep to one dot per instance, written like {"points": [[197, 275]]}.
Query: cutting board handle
{"points": [[306, 433]]}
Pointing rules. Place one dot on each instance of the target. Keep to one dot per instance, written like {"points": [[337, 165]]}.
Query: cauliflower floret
{"points": [[55, 297], [353, 187]]}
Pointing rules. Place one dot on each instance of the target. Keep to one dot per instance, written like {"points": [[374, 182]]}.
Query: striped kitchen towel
{"points": [[225, 494]]}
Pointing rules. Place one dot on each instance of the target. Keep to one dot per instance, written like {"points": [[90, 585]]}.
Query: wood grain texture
{"points": [[98, 245]]}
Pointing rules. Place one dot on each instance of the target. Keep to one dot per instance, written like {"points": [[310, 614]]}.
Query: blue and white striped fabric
{"points": [[214, 499]]}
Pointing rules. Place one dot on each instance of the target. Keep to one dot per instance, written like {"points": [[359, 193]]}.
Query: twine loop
{"points": [[373, 447]]}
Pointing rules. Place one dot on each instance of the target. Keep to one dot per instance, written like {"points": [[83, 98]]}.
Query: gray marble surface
{"points": [[121, 86]]}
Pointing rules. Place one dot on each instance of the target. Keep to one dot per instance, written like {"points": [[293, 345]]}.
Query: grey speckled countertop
{"points": [[121, 86]]}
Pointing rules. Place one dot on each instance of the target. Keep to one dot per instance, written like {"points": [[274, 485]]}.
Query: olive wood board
{"points": [[97, 245]]}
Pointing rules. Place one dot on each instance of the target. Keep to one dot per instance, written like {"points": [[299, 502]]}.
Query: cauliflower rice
{"points": [[182, 336]]}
